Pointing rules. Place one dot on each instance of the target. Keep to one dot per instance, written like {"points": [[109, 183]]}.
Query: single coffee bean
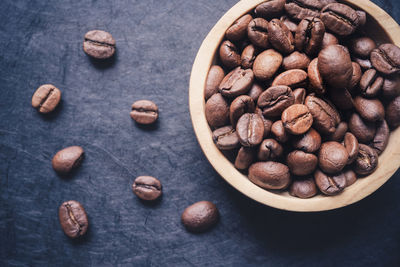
{"points": [[237, 82], [46, 98], [255, 91], [362, 46], [293, 78], [229, 55], [391, 87], [292, 26], [99, 44], [393, 113], [280, 37], [257, 31], [335, 66], [315, 78], [339, 133], [214, 79], [217, 111], [73, 219], [250, 129], [67, 159], [329, 39], [267, 123], [332, 157], [363, 130], [144, 112], [369, 109], [340, 19], [350, 176], [269, 149], [225, 138], [366, 161], [330, 184], [309, 142], [309, 35], [350, 142], [341, 97], [238, 30], [362, 18], [365, 64], [325, 116], [270, 9], [301, 163], [270, 175], [300, 9], [241, 105], [297, 119], [200, 216], [386, 59], [147, 188], [303, 188], [299, 95], [356, 77], [267, 64], [296, 60], [381, 138], [279, 132], [244, 158], [248, 56], [274, 100], [371, 83]]}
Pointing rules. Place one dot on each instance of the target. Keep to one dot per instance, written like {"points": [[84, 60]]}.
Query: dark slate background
{"points": [[41, 42]]}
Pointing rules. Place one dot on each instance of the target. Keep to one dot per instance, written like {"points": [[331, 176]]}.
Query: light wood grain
{"points": [[384, 28]]}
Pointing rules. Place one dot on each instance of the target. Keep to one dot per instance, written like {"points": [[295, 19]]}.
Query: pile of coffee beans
{"points": [[299, 93]]}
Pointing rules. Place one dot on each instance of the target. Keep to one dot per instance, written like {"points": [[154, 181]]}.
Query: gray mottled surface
{"points": [[157, 42]]}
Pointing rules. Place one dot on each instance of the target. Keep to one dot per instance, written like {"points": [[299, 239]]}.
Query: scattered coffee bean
{"points": [[73, 219], [200, 216], [147, 188], [67, 159], [46, 98], [99, 44], [144, 112]]}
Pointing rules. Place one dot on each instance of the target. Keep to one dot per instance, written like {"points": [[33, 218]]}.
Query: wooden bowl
{"points": [[382, 28]]}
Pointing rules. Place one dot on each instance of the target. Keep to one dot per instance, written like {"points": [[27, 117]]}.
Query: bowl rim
{"points": [[203, 61]]}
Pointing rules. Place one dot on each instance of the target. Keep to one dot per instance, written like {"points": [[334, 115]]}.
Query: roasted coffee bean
{"points": [[332, 157], [329, 39], [341, 98], [309, 35], [340, 19], [371, 83], [279, 132], [339, 133], [270, 175], [280, 37], [293, 78], [335, 66], [255, 92], [315, 78], [327, 2], [289, 24], [226, 138], [350, 176], [267, 123], [297, 119], [309, 142], [299, 95], [391, 87], [369, 109], [301, 163], [267, 64], [393, 113], [200, 216], [241, 105], [147, 188], [144, 112], [237, 82], [270, 9], [366, 161], [303, 188], [325, 116], [257, 31], [73, 219], [365, 64], [350, 142], [362, 18], [238, 30], [68, 159], [269, 149], [330, 184], [46, 98], [248, 56], [217, 111], [250, 129], [362, 46], [229, 55], [244, 158], [363, 130], [99, 44], [386, 59], [214, 78], [296, 60], [381, 138], [300, 9], [356, 77], [275, 100]]}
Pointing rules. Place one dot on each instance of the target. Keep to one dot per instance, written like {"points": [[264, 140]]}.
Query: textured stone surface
{"points": [[41, 42]]}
